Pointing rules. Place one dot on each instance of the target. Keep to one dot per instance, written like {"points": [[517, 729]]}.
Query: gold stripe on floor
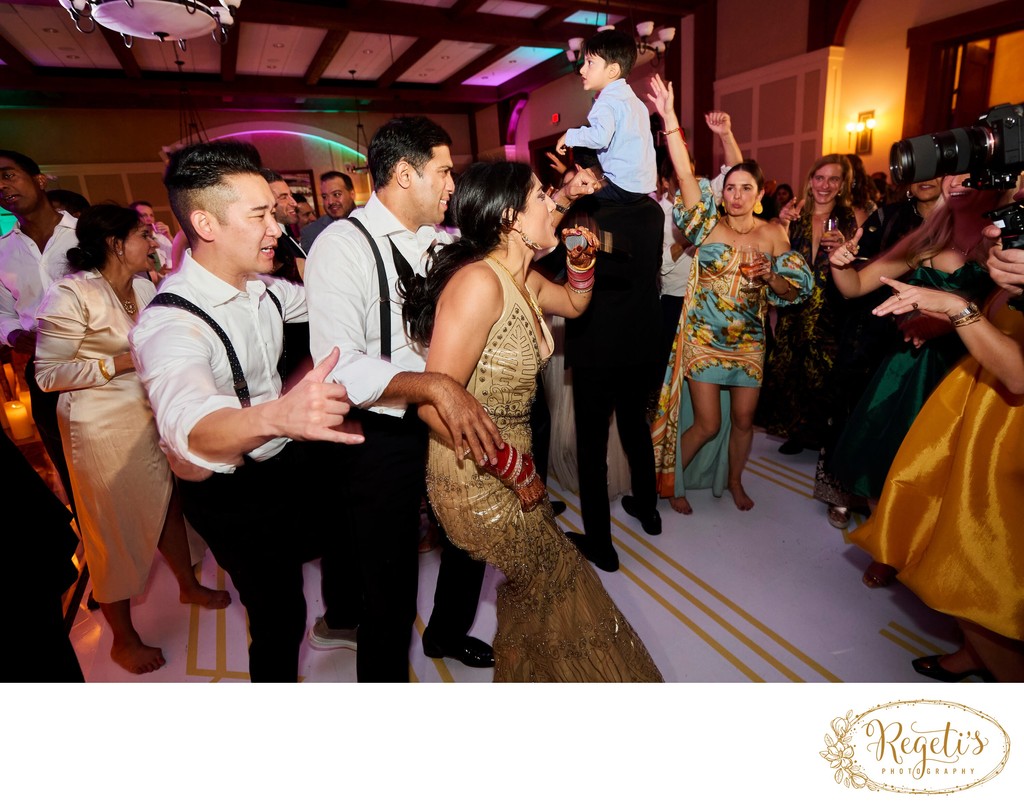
{"points": [[774, 462], [439, 664], [784, 472]]}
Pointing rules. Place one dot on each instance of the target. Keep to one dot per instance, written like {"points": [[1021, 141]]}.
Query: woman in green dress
{"points": [[947, 254]]}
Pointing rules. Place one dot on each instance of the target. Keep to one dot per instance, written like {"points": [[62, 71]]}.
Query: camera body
{"points": [[992, 151]]}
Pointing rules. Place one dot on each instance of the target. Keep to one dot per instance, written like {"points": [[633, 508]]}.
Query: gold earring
{"points": [[758, 208]]}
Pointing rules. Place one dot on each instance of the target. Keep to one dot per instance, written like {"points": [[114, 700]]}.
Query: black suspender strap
{"points": [[385, 297], [237, 376]]}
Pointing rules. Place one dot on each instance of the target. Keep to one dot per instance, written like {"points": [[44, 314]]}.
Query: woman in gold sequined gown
{"points": [[479, 309]]}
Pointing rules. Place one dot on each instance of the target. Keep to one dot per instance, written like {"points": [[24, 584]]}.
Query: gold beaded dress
{"points": [[556, 623]]}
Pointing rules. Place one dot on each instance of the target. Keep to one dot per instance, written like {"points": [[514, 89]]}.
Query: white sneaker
{"points": [[323, 638]]}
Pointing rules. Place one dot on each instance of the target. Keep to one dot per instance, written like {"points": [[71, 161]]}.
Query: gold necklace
{"points": [[523, 289], [728, 224], [129, 307]]}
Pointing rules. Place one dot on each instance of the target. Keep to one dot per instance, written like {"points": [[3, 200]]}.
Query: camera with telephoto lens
{"points": [[991, 151]]}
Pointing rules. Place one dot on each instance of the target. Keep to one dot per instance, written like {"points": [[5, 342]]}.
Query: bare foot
{"points": [[680, 504], [205, 597], [740, 497], [136, 657]]}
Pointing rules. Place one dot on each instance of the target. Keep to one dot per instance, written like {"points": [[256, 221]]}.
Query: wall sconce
{"points": [[862, 128]]}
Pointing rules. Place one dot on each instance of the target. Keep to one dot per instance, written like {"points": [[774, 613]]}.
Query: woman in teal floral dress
{"points": [[719, 345]]}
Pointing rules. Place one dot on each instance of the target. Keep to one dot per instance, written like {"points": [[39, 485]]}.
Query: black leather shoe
{"points": [[651, 523], [557, 507], [931, 667], [791, 446], [469, 651], [604, 558]]}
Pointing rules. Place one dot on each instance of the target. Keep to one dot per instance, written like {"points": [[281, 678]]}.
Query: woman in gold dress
{"points": [[951, 516], [127, 505], [480, 310]]}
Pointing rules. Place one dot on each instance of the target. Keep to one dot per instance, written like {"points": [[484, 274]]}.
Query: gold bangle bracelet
{"points": [[103, 370], [666, 132], [969, 314]]}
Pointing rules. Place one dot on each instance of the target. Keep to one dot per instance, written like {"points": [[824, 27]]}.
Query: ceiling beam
{"points": [[229, 55], [463, 8], [537, 76], [12, 56], [78, 84], [420, 48], [121, 52], [325, 53], [454, 81], [413, 21]]}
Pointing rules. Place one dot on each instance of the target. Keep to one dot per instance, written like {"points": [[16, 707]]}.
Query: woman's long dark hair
{"points": [[483, 195], [95, 226]]}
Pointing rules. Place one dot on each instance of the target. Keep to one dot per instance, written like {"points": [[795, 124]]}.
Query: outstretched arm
{"points": [[721, 124], [663, 98], [997, 352]]}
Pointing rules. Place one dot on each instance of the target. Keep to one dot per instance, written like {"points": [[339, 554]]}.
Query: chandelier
{"points": [[179, 20], [647, 40]]}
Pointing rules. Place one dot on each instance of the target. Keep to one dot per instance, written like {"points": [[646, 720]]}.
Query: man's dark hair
{"points": [[299, 198], [271, 176], [70, 201], [615, 47], [196, 177], [411, 139], [135, 203], [338, 175], [23, 162]]}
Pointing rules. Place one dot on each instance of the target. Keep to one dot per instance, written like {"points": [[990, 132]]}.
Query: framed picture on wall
{"points": [[301, 182]]}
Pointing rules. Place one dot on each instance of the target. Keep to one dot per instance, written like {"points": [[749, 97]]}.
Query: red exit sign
{"points": [[555, 118]]}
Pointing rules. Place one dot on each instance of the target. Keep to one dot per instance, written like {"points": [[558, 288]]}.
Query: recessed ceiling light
{"points": [[271, 67], [72, 56], [367, 50], [50, 31], [277, 45], [445, 58], [422, 75], [511, 61]]}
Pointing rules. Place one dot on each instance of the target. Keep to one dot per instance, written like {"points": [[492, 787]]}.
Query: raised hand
{"points": [[583, 182], [581, 254], [560, 147], [719, 122], [842, 257], [662, 96], [556, 164], [791, 211]]}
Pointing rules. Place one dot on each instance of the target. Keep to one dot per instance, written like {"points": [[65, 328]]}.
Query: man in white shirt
{"points": [[355, 303], [236, 441], [161, 233], [32, 255]]}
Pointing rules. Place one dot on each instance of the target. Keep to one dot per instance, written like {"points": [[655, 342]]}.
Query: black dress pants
{"points": [[597, 393], [381, 484], [261, 525]]}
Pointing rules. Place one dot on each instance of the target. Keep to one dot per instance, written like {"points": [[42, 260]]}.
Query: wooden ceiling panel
{"points": [[444, 59], [369, 55]]}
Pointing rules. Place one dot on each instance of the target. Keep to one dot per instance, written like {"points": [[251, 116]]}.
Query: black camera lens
{"points": [[955, 151]]}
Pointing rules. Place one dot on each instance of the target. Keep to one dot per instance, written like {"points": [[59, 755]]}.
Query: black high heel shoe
{"points": [[931, 667]]}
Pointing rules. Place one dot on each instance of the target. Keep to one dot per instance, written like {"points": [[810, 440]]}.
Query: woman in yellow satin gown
{"points": [[951, 515], [480, 310]]}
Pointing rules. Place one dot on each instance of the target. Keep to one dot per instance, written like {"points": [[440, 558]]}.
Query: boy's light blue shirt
{"points": [[620, 131]]}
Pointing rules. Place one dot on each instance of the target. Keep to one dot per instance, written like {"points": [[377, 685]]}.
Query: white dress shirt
{"points": [[674, 272], [26, 273], [184, 365], [344, 300]]}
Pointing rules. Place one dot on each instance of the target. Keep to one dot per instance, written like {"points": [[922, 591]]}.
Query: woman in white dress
{"points": [[127, 504]]}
